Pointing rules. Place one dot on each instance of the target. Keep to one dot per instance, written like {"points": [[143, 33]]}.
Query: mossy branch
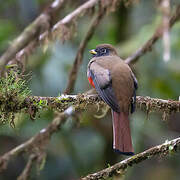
{"points": [[32, 104], [80, 101], [14, 98], [40, 140], [119, 168]]}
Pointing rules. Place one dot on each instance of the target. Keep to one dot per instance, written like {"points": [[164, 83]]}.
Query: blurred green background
{"points": [[85, 145]]}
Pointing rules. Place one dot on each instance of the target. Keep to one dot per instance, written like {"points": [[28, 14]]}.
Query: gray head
{"points": [[103, 50]]}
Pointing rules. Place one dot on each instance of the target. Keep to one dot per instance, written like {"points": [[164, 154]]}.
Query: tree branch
{"points": [[41, 24], [26, 172], [19, 46], [40, 140], [37, 142], [62, 102], [119, 168], [81, 101], [158, 33]]}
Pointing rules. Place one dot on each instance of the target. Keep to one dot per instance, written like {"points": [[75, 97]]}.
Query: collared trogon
{"points": [[116, 84]]}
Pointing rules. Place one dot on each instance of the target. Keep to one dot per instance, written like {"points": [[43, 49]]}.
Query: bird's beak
{"points": [[93, 52]]}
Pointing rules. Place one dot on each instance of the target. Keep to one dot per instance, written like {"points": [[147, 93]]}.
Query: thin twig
{"points": [[119, 168], [27, 170], [158, 33], [79, 56], [38, 140], [76, 13]]}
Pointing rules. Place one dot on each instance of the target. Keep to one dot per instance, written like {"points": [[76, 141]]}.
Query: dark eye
{"points": [[103, 51]]}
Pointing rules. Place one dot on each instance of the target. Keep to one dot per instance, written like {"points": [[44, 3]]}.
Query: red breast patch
{"points": [[91, 81]]}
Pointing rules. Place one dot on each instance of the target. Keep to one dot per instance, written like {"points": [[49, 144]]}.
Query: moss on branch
{"points": [[14, 98], [13, 92], [33, 104]]}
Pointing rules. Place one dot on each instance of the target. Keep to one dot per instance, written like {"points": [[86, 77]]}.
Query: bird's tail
{"points": [[122, 142]]}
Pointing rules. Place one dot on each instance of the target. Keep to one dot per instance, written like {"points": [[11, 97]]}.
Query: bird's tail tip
{"points": [[123, 153]]}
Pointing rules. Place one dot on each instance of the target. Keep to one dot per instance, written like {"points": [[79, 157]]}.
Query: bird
{"points": [[116, 85]]}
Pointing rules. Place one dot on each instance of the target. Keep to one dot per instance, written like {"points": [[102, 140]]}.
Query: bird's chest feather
{"points": [[91, 81]]}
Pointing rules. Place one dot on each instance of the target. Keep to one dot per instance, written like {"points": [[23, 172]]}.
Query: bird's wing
{"points": [[133, 103], [103, 84], [135, 81]]}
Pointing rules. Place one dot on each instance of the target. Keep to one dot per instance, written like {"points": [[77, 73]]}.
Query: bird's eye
{"points": [[103, 51]]}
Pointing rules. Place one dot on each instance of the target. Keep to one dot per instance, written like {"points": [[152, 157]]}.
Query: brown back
{"points": [[122, 81]]}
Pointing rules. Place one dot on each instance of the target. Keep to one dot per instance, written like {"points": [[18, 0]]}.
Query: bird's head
{"points": [[103, 50]]}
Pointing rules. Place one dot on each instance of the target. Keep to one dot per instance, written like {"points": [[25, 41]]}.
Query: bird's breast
{"points": [[91, 81]]}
